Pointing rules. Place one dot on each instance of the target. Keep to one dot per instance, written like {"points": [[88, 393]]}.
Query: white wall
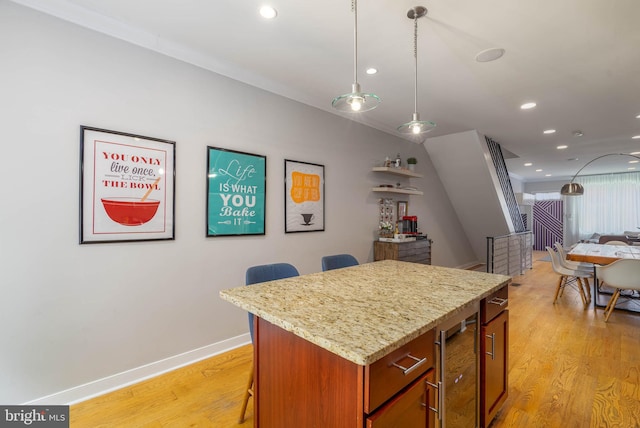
{"points": [[544, 186], [464, 164], [73, 314], [516, 183]]}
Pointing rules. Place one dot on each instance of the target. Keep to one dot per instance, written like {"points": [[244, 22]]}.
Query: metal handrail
{"points": [[515, 256]]}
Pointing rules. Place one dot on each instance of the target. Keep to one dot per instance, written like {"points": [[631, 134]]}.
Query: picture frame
{"points": [[402, 209], [304, 196], [236, 192], [127, 187]]}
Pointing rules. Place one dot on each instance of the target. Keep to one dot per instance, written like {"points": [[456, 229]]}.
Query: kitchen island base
{"points": [[298, 383]]}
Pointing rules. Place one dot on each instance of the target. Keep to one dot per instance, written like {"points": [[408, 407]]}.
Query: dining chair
{"points": [[615, 243], [573, 277], [570, 263], [338, 261], [623, 274], [255, 275]]}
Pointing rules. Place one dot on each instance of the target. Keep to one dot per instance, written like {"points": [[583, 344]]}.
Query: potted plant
{"points": [[386, 229], [411, 162]]}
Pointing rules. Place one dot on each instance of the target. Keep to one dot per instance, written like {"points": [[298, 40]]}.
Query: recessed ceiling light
{"points": [[547, 175], [528, 164], [538, 170], [634, 153], [631, 168], [561, 147], [371, 70], [635, 137], [638, 116], [268, 12], [490, 54], [527, 106], [549, 131], [634, 161]]}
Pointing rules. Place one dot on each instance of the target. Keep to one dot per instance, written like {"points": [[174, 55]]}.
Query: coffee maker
{"points": [[410, 225]]}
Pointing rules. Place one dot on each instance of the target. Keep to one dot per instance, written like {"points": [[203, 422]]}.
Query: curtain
{"points": [[610, 205]]}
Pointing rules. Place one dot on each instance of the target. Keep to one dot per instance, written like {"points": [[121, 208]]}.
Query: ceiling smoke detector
{"points": [[577, 133]]}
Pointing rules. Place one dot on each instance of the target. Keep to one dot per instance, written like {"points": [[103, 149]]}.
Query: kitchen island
{"points": [[324, 342]]}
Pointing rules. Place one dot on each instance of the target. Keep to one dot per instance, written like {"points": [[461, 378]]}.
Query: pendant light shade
{"points": [[416, 128], [356, 101]]}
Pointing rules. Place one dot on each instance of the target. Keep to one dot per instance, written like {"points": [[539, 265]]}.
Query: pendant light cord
{"points": [[354, 8], [415, 56]]}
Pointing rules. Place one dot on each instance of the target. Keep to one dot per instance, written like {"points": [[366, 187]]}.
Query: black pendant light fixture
{"points": [[355, 101], [416, 128]]}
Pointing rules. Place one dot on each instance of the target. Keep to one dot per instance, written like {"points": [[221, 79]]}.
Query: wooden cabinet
{"points": [[409, 409], [299, 384], [384, 378], [494, 351], [418, 251]]}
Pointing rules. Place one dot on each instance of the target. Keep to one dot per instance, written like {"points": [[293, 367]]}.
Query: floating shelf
{"points": [[397, 171], [396, 190]]}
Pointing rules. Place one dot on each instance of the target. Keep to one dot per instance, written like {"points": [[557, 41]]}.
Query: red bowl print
{"points": [[130, 211]]}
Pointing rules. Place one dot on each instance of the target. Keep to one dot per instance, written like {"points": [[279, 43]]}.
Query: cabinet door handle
{"points": [[498, 301], [492, 336], [418, 363], [439, 400]]}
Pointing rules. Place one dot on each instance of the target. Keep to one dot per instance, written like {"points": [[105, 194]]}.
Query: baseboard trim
{"points": [[120, 380], [470, 265]]}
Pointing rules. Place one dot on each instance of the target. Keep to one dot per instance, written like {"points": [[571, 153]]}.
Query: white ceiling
{"points": [[577, 59]]}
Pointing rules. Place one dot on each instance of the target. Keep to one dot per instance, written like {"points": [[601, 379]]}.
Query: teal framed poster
{"points": [[236, 192]]}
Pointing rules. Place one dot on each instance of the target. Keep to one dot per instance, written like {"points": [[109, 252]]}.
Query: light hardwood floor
{"points": [[567, 369]]}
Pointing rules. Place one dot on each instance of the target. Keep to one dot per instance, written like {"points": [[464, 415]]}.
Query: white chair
{"points": [[577, 278], [623, 274], [570, 263]]}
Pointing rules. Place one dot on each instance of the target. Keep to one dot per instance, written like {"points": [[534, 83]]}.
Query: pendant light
{"points": [[356, 101], [416, 128]]}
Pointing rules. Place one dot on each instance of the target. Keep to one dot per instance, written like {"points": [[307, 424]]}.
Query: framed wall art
{"points": [[127, 185], [236, 192], [304, 196], [403, 209]]}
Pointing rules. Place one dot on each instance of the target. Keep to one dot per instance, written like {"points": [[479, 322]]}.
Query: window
{"points": [[610, 205]]}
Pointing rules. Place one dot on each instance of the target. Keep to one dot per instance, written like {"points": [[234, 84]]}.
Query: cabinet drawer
{"points": [[421, 246], [417, 252], [417, 258], [407, 252], [491, 306], [410, 409], [387, 376]]}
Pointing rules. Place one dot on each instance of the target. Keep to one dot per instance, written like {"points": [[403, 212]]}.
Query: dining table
{"points": [[604, 254]]}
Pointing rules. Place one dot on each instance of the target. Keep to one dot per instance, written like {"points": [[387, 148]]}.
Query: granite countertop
{"points": [[364, 312]]}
